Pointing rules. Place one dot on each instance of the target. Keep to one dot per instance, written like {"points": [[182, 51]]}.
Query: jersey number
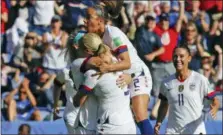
{"points": [[136, 81], [181, 99]]}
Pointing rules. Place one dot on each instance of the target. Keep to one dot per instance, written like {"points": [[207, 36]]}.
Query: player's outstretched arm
{"points": [[161, 115]]}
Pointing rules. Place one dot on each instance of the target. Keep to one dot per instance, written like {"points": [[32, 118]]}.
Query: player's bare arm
{"points": [[123, 64], [161, 114]]}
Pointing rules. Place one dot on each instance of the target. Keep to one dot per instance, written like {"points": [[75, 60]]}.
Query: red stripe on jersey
{"points": [[121, 49], [83, 68], [211, 94], [85, 89]]}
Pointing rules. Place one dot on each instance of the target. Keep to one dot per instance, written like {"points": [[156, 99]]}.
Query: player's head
{"points": [[72, 44], [92, 44], [181, 57], [97, 16], [95, 19], [24, 129]]}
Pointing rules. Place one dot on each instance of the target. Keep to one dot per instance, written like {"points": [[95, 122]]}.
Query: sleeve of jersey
{"points": [[118, 45], [209, 92], [89, 82], [162, 94]]}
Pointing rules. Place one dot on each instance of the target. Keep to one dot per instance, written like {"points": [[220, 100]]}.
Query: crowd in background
{"points": [[34, 35]]}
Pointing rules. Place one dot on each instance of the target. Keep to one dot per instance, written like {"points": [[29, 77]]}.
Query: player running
{"points": [[114, 113], [129, 61], [71, 76], [184, 93]]}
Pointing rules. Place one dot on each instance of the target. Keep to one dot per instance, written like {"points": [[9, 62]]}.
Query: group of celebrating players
{"points": [[105, 74]]}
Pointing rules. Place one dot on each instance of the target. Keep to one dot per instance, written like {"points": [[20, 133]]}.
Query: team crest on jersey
{"points": [[192, 86], [180, 88], [117, 41]]}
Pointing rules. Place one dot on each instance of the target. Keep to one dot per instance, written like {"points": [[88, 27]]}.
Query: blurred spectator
{"points": [[174, 6], [25, 107], [140, 10], [211, 6], [44, 11], [42, 89], [27, 57], [196, 45], [6, 70], [54, 43], [73, 11], [4, 20], [16, 35], [166, 8], [147, 42], [13, 11], [213, 74], [200, 18], [26, 11], [24, 129]]}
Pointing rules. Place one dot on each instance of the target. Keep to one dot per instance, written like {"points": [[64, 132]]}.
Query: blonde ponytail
{"points": [[102, 49]]}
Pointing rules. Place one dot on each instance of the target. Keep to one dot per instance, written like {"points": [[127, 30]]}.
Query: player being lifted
{"points": [[114, 112], [129, 61], [184, 93]]}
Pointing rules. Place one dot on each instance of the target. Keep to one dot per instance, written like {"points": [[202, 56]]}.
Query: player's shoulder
{"points": [[198, 76], [112, 30], [169, 78], [168, 82], [77, 62]]}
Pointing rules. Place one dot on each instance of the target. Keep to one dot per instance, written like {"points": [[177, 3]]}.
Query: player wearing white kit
{"points": [[128, 60], [71, 116], [184, 93], [114, 113]]}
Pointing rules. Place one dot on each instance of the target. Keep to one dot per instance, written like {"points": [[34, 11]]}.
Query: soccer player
{"points": [[129, 61], [71, 76], [184, 93], [114, 112]]}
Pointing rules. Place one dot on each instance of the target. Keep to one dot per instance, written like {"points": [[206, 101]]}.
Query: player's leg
{"points": [[140, 92], [139, 106]]}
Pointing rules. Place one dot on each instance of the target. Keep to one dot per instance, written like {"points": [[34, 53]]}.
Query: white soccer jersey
{"points": [[70, 112], [88, 111], [73, 80], [185, 101], [119, 43], [113, 102]]}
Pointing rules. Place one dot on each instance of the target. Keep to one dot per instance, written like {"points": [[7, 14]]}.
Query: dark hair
{"points": [[25, 125], [184, 46]]}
